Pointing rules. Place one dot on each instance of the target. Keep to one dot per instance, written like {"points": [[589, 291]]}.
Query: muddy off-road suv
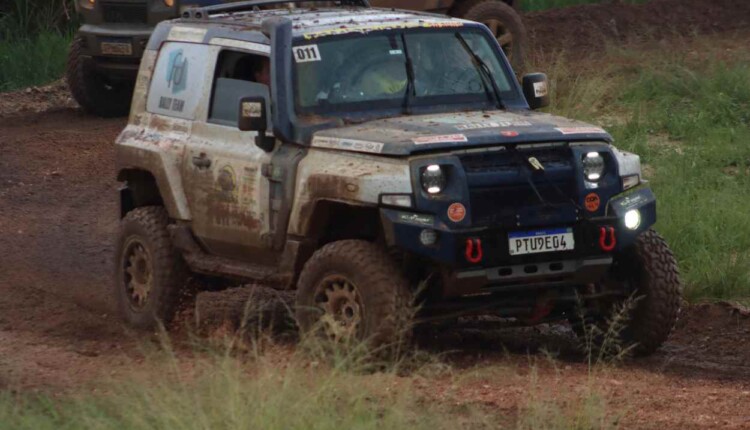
{"points": [[106, 52], [385, 164]]}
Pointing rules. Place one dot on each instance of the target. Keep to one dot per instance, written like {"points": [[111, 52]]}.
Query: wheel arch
{"points": [[140, 188]]}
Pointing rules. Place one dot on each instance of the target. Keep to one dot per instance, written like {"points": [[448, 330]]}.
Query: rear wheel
{"points": [[150, 275], [504, 22], [94, 92], [350, 292], [649, 271]]}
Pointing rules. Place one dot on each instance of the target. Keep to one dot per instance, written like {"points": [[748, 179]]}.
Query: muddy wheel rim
{"points": [[339, 299], [138, 273], [503, 35]]}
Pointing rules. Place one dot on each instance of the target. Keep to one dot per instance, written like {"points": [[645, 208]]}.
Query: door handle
{"points": [[202, 162]]}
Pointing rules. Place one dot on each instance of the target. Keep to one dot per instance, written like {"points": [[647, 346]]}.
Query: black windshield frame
{"points": [[512, 96]]}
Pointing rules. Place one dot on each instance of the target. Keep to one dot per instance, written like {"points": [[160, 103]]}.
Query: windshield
{"points": [[371, 71]]}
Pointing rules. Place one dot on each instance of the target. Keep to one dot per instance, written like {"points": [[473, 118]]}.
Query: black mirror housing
{"points": [[253, 117], [536, 90]]}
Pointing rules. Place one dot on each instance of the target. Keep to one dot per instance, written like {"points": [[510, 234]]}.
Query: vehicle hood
{"points": [[456, 130]]}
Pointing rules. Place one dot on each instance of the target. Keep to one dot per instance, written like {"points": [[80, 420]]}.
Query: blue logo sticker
{"points": [[177, 71]]}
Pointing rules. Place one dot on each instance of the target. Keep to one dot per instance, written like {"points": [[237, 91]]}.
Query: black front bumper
{"points": [[498, 269]]}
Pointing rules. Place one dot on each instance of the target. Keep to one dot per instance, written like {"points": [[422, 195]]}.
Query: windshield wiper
{"points": [[484, 70], [411, 89]]}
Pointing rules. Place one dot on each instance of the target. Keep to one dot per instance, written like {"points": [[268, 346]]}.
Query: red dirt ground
{"points": [[58, 215]]}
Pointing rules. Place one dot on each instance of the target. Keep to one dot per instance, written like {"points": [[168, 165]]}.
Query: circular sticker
{"points": [[592, 202], [456, 212], [509, 133]]}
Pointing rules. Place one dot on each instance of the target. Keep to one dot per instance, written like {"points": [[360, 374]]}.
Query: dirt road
{"points": [[58, 216]]}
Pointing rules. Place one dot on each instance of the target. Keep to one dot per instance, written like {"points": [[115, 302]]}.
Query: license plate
{"points": [[535, 242], [116, 48]]}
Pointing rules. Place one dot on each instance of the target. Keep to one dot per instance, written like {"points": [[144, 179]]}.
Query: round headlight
{"points": [[593, 166], [433, 179], [168, 3], [632, 219]]}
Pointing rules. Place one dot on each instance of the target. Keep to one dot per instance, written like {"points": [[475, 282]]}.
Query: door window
{"points": [[238, 75]]}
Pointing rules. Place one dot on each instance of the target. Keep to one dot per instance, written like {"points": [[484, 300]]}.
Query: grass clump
{"points": [[537, 5], [225, 392], [689, 120], [34, 40]]}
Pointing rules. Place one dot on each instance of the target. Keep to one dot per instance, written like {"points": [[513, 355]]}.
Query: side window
{"points": [[179, 80], [238, 75]]}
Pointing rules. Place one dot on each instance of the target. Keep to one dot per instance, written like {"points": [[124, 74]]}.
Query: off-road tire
{"points": [[169, 273], [91, 90], [651, 270], [485, 10], [384, 292], [657, 281]]}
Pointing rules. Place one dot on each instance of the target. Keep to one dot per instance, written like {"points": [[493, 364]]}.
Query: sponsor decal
{"points": [[306, 53], [227, 182], [187, 34], [251, 110], [177, 71], [348, 144], [580, 130], [509, 133], [592, 202], [416, 219], [540, 89], [446, 138], [456, 212], [492, 124]]}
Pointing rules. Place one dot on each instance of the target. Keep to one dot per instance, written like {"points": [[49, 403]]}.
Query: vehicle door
{"points": [[223, 169]]}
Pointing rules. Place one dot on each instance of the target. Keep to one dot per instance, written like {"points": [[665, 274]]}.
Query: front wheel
{"points": [[351, 291], [150, 275], [649, 271]]}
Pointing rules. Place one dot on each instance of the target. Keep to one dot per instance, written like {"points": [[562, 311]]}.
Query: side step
{"points": [[201, 262]]}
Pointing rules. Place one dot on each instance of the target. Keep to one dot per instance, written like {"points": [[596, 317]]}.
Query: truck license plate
{"points": [[116, 48], [534, 242]]}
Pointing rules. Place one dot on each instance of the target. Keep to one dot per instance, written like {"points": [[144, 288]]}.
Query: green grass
{"points": [[35, 61], [689, 120], [34, 39], [537, 5], [277, 390]]}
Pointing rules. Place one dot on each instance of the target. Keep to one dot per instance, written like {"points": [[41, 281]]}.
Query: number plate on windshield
{"points": [[534, 242]]}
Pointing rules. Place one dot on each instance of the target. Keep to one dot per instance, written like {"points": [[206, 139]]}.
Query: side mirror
{"points": [[536, 90], [252, 117], [253, 114]]}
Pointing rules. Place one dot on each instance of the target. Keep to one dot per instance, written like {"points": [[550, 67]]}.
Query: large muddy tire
{"points": [[649, 271], [503, 21], [150, 275], [351, 292], [656, 281], [96, 94]]}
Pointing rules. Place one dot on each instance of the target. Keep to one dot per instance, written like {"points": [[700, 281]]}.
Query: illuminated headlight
{"points": [[433, 179], [168, 3], [632, 219], [593, 166], [86, 4]]}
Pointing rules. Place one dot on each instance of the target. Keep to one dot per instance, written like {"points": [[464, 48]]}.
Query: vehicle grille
{"points": [[127, 13], [500, 202]]}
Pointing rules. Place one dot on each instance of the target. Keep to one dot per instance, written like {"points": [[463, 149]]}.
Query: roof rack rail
{"points": [[245, 6]]}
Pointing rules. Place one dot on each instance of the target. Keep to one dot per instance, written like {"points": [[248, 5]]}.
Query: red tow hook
{"points": [[603, 239], [472, 257]]}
